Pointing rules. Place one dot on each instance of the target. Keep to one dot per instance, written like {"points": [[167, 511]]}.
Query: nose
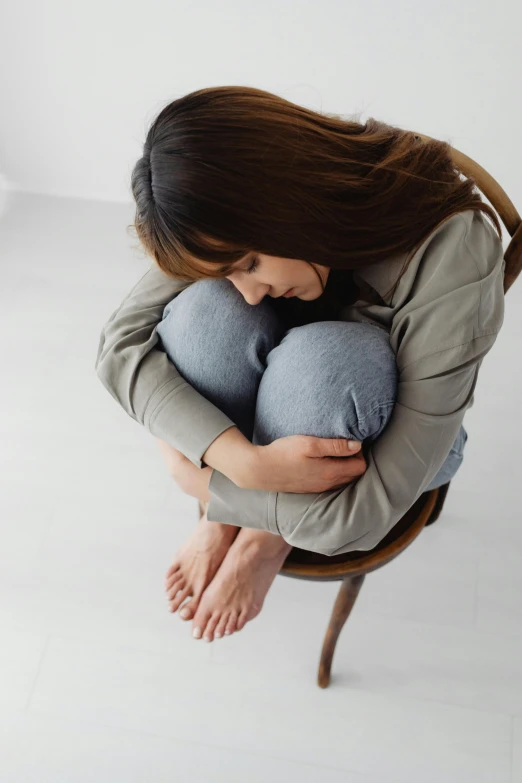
{"points": [[250, 297], [253, 300]]}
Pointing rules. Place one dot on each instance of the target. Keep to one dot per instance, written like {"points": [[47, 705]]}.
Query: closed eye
{"points": [[254, 266]]}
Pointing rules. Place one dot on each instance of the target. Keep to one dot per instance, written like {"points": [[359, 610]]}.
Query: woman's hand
{"points": [[190, 479], [304, 463]]}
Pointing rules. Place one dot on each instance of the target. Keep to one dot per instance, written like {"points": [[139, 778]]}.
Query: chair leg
{"points": [[344, 602]]}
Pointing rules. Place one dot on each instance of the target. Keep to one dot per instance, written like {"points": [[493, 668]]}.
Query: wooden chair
{"points": [[351, 568]]}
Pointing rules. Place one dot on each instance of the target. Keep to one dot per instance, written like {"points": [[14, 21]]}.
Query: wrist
{"points": [[233, 455], [248, 472], [204, 496]]}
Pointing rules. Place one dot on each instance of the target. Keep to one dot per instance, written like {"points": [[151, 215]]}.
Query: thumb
{"points": [[344, 445], [353, 445]]}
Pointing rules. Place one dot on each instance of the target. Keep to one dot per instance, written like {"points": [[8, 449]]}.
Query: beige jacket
{"points": [[442, 320]]}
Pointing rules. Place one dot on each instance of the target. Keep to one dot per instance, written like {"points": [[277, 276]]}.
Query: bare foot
{"points": [[196, 562], [236, 593]]}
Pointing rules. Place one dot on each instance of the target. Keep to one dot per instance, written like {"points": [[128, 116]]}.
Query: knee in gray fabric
{"points": [[331, 379]]}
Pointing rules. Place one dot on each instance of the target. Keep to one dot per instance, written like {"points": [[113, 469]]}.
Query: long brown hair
{"points": [[226, 171]]}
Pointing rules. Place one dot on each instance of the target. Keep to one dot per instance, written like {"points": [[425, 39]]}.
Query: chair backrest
{"points": [[501, 203]]}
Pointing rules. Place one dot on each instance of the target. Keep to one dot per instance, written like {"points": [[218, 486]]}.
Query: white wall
{"points": [[82, 81]]}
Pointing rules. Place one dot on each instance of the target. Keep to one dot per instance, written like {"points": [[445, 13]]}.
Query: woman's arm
{"points": [[401, 463], [140, 377]]}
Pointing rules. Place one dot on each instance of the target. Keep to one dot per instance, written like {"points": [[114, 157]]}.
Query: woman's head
{"points": [[258, 275], [229, 175]]}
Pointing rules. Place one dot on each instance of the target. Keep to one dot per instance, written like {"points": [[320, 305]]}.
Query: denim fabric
{"points": [[330, 379]]}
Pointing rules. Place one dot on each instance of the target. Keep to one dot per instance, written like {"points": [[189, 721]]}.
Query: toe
{"points": [[199, 622], [179, 584], [188, 609], [208, 633], [172, 570], [169, 581], [220, 627], [179, 599], [231, 624], [241, 621], [173, 579]]}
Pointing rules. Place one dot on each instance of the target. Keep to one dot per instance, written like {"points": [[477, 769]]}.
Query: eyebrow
{"points": [[217, 267], [227, 268], [231, 266]]}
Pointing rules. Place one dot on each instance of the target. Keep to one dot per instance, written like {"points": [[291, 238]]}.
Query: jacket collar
{"points": [[382, 275]]}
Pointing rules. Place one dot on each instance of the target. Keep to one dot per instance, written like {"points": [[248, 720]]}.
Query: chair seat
{"points": [[302, 564]]}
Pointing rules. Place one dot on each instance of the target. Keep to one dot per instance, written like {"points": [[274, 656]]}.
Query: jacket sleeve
{"points": [[143, 380], [402, 461]]}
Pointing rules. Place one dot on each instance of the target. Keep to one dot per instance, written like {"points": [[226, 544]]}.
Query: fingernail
{"points": [[196, 633], [353, 445]]}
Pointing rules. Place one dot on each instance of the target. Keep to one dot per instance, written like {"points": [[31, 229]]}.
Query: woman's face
{"points": [[275, 276]]}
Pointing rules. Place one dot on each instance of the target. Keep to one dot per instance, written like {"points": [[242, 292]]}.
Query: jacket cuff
{"points": [[231, 505], [192, 427]]}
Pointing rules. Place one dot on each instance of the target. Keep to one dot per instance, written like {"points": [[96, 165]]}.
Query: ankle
{"points": [[256, 542]]}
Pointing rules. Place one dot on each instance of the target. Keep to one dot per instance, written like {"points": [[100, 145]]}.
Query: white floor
{"points": [[100, 683]]}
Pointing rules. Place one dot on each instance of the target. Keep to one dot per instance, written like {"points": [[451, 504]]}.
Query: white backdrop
{"points": [[81, 81], [99, 683]]}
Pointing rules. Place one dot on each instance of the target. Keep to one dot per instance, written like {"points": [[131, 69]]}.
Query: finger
{"points": [[353, 469], [357, 469]]}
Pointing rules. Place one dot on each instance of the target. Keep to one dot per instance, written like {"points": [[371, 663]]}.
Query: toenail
{"points": [[227, 633], [217, 635], [184, 612], [207, 638], [196, 633]]}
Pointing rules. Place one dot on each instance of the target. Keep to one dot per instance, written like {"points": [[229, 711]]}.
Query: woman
{"points": [[395, 295]]}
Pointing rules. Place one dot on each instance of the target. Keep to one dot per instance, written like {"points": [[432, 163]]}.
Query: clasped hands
{"points": [[296, 463]]}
